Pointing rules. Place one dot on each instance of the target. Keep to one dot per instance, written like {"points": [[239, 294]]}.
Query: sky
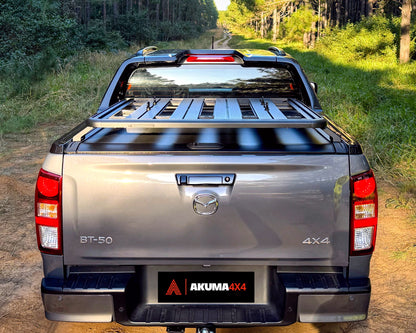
{"points": [[222, 4]]}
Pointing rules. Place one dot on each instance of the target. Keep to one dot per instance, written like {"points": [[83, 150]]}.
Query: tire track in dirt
{"points": [[223, 42]]}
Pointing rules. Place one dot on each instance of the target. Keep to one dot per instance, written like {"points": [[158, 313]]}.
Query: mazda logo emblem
{"points": [[205, 204]]}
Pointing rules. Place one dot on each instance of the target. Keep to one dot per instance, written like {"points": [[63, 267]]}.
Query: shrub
{"points": [[299, 23], [34, 39], [98, 38], [372, 36]]}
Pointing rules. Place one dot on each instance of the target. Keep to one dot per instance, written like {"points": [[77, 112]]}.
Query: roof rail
{"points": [[277, 51], [146, 50]]}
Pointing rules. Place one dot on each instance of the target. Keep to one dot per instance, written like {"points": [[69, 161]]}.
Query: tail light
{"points": [[364, 209], [210, 58], [48, 210]]}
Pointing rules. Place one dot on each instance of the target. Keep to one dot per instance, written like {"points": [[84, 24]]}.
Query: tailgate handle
{"points": [[205, 179]]}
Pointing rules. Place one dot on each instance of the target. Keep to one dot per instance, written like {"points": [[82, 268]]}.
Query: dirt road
{"points": [[223, 42], [393, 269]]}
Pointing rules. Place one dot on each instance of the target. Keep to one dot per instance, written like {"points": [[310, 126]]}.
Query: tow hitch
{"points": [[180, 329]]}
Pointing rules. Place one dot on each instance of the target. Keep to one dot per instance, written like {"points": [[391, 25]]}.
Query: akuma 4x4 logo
{"points": [[173, 289], [206, 286]]}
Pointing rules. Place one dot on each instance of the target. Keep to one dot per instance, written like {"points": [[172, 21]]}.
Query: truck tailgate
{"points": [[131, 209]]}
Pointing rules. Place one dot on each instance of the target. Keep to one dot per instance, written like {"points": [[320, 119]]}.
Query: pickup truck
{"points": [[209, 190]]}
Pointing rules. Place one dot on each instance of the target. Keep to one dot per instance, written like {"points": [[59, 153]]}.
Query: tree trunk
{"points": [[319, 18], [362, 9], [147, 10], [312, 38], [305, 39], [370, 7], [347, 11], [104, 15], [405, 31], [274, 24], [357, 11], [262, 26], [115, 9], [163, 10], [338, 12], [87, 13], [330, 19], [278, 27], [325, 15]]}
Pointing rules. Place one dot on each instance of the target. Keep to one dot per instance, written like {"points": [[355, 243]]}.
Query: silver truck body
{"points": [[258, 213], [258, 217]]}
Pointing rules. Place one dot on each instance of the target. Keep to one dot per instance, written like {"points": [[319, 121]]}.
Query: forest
{"points": [[37, 35], [57, 57], [310, 20], [362, 54]]}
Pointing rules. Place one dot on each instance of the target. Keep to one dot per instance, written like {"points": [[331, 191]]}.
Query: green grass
{"points": [[408, 254], [373, 98], [72, 92]]}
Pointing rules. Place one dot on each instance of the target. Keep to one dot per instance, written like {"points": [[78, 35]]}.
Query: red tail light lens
{"points": [[364, 210], [209, 58], [48, 210]]}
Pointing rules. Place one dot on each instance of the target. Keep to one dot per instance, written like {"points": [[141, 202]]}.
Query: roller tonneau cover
{"points": [[209, 190]]}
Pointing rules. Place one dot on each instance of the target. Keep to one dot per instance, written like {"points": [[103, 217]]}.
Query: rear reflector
{"points": [[48, 212], [364, 205], [209, 58], [48, 237], [363, 238]]}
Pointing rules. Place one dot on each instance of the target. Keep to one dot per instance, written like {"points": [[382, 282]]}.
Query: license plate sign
{"points": [[206, 287]]}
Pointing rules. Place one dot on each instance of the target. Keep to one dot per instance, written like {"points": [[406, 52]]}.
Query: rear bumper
{"points": [[323, 297]]}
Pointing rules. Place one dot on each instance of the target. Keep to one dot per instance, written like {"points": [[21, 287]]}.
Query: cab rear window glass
{"points": [[213, 81]]}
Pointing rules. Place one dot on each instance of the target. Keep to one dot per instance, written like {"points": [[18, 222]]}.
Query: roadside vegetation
{"points": [[373, 98], [362, 86], [355, 61], [57, 56], [73, 90]]}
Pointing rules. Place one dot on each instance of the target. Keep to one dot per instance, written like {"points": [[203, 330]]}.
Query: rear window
{"points": [[212, 81]]}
